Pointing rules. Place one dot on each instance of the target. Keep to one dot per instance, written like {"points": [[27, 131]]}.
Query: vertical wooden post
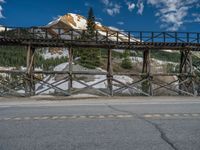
{"points": [[150, 76], [30, 64], [147, 86], [145, 68], [192, 75], [181, 71], [70, 82], [110, 72]]}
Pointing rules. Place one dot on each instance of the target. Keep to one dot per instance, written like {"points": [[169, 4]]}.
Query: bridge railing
{"points": [[45, 33]]}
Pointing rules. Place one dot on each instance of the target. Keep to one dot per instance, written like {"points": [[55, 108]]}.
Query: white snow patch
{"points": [[22, 68], [160, 62], [2, 28], [7, 68], [124, 79], [114, 28], [77, 85], [61, 53], [136, 59], [54, 22], [98, 23], [170, 51], [61, 67], [80, 22]]}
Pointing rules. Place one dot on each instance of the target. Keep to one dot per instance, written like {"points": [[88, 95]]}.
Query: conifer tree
{"points": [[126, 62], [90, 57], [91, 23]]}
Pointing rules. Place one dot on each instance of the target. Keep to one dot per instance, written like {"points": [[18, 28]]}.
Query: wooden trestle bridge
{"points": [[39, 37]]}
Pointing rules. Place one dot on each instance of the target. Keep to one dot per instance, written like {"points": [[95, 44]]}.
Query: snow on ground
{"points": [[158, 62], [61, 67], [49, 55], [95, 79], [6, 68], [136, 59], [2, 28], [77, 85], [25, 68], [161, 62], [124, 79], [64, 84], [170, 51]]}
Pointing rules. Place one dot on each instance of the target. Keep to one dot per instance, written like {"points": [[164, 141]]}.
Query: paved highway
{"points": [[141, 123]]}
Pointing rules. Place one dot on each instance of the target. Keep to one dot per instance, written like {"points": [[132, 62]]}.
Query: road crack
{"points": [[156, 126]]}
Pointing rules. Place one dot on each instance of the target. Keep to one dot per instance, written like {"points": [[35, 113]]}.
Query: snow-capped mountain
{"points": [[63, 24], [79, 23]]}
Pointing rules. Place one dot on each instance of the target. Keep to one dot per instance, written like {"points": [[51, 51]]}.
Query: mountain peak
{"points": [[75, 21], [78, 22]]}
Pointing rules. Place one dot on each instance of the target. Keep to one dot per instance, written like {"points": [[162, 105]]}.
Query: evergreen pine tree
{"points": [[90, 57], [91, 23], [126, 62]]}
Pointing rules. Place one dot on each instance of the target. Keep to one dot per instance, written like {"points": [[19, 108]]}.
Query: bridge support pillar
{"points": [[30, 64], [110, 72], [146, 69], [70, 82], [186, 78]]}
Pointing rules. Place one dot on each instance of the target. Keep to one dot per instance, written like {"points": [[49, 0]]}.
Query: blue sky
{"points": [[134, 15]]}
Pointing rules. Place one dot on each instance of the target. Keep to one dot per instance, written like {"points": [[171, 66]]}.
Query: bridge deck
{"points": [[51, 37]]}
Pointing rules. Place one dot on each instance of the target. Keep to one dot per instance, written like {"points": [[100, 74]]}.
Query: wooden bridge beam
{"points": [[110, 72], [30, 64], [147, 85], [70, 82]]}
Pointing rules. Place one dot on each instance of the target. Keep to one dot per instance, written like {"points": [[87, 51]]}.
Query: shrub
{"points": [[126, 62]]}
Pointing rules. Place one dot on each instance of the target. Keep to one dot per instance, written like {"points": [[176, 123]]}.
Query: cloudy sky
{"points": [[135, 15]]}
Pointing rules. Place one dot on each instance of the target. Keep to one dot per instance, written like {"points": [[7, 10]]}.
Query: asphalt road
{"points": [[118, 124]]}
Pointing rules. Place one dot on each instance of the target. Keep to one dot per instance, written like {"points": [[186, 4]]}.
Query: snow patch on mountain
{"points": [[81, 23], [53, 22]]}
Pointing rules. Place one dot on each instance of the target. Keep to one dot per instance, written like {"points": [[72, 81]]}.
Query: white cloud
{"points": [[120, 23], [111, 8], [196, 18], [130, 5], [114, 10], [140, 6], [172, 13], [1, 9], [106, 2]]}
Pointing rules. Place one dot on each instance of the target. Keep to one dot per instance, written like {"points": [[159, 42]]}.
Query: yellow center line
{"points": [[157, 115]]}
